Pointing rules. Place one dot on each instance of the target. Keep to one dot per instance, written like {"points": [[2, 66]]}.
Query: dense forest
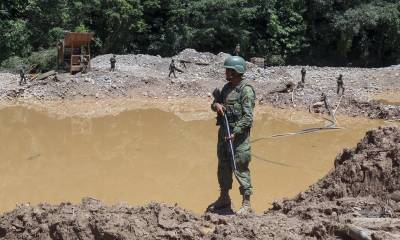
{"points": [[316, 32]]}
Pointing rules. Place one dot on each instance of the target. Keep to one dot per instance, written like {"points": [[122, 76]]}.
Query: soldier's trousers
{"points": [[171, 72], [242, 160], [340, 87], [22, 80]]}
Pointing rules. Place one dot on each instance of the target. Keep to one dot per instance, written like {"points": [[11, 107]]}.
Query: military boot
{"points": [[224, 201], [246, 207]]}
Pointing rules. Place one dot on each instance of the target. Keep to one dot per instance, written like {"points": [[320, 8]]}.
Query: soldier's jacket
{"points": [[172, 67], [340, 81], [22, 72], [303, 72], [112, 60], [239, 103]]}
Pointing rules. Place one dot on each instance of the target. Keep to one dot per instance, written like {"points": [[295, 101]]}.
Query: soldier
{"points": [[84, 64], [172, 68], [236, 100], [324, 99], [22, 79], [340, 84], [303, 75], [237, 50], [112, 62]]}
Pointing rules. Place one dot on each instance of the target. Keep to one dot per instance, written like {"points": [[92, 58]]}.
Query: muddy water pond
{"points": [[146, 155]]}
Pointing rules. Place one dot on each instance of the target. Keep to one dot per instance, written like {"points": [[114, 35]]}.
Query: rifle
{"points": [[218, 99]]}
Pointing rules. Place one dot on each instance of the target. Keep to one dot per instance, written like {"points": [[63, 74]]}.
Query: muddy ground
{"points": [[358, 199], [146, 76]]}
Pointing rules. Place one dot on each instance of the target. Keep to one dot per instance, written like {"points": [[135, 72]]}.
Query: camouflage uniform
{"points": [[172, 68], [84, 64], [303, 75], [239, 102], [22, 79], [237, 50], [340, 84], [112, 62]]}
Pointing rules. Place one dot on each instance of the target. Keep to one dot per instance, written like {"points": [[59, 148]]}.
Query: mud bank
{"points": [[146, 76], [360, 195]]}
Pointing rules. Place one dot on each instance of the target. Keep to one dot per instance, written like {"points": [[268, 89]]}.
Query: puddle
{"points": [[145, 155]]}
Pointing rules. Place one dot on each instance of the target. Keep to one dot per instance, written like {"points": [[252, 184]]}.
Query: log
{"points": [[385, 224], [46, 75], [357, 233]]}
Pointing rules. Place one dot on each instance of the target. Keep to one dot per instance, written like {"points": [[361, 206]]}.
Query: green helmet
{"points": [[236, 63]]}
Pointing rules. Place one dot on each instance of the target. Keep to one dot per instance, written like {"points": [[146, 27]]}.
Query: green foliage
{"points": [[13, 63], [81, 28], [44, 60], [41, 61], [275, 60], [14, 38], [321, 32]]}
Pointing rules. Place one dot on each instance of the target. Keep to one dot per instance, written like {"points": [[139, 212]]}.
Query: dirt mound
{"points": [[359, 197], [363, 186], [370, 169], [192, 56]]}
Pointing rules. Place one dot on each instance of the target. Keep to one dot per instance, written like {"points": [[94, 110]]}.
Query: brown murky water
{"points": [[148, 155]]}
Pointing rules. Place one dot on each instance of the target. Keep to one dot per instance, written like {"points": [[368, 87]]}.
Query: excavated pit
{"points": [[362, 190]]}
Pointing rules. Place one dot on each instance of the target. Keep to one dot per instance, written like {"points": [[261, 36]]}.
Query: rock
{"points": [[395, 196]]}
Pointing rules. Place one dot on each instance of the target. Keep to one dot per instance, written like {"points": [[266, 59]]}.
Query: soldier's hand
{"points": [[220, 109], [232, 137]]}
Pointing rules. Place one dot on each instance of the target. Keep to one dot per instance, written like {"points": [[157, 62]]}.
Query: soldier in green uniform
{"points": [[172, 68], [303, 75], [112, 62], [237, 100], [22, 76], [84, 64], [237, 50], [340, 84]]}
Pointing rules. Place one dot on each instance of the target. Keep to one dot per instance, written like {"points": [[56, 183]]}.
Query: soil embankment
{"points": [[359, 197], [144, 76]]}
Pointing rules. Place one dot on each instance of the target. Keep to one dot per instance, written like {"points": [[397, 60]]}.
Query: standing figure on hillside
{"points": [[234, 105], [112, 62], [172, 68], [237, 50], [340, 84], [303, 75], [84, 64], [22, 79]]}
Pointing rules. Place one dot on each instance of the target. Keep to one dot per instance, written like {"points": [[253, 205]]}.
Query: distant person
{"points": [[172, 68], [84, 64], [340, 84], [112, 62], [324, 98], [237, 50], [323, 101], [22, 79], [303, 75], [265, 64]]}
